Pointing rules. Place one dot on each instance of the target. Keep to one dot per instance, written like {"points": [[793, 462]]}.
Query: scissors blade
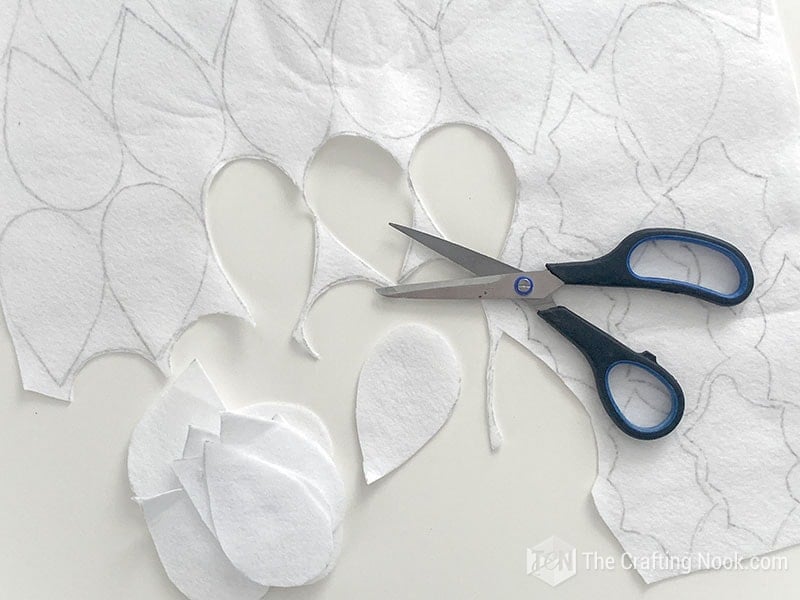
{"points": [[503, 287], [472, 261]]}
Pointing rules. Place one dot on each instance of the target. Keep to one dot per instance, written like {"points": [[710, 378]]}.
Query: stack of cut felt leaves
{"points": [[236, 502]]}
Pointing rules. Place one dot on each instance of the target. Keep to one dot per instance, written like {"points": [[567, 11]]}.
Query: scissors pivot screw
{"points": [[523, 286]]}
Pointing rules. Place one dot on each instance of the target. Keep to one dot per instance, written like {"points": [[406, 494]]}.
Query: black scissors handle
{"points": [[604, 353], [614, 269]]}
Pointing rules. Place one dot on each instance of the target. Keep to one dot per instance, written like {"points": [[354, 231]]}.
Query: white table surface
{"points": [[454, 522]]}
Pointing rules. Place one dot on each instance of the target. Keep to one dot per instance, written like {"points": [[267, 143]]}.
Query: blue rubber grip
{"points": [[676, 402], [603, 353], [614, 269]]}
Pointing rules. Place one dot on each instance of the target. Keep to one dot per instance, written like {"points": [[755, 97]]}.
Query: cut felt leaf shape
{"points": [[500, 57], [160, 436], [191, 555], [166, 111], [383, 69], [338, 540], [406, 392], [191, 473], [155, 274], [279, 443], [51, 277], [241, 433], [62, 147], [295, 415], [196, 439], [270, 545], [273, 80]]}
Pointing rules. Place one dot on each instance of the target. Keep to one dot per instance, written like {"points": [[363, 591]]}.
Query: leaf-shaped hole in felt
{"points": [[407, 390], [273, 80], [46, 125], [481, 186], [357, 173], [51, 276], [383, 69], [166, 111], [254, 210], [476, 39]]}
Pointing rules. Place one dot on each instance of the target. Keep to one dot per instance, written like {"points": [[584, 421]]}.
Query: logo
{"points": [[553, 561]]}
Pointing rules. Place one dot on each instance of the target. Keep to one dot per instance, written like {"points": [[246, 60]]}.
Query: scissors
{"points": [[497, 280]]}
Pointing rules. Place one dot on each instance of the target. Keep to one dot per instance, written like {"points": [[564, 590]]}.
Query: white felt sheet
{"points": [[574, 91]]}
